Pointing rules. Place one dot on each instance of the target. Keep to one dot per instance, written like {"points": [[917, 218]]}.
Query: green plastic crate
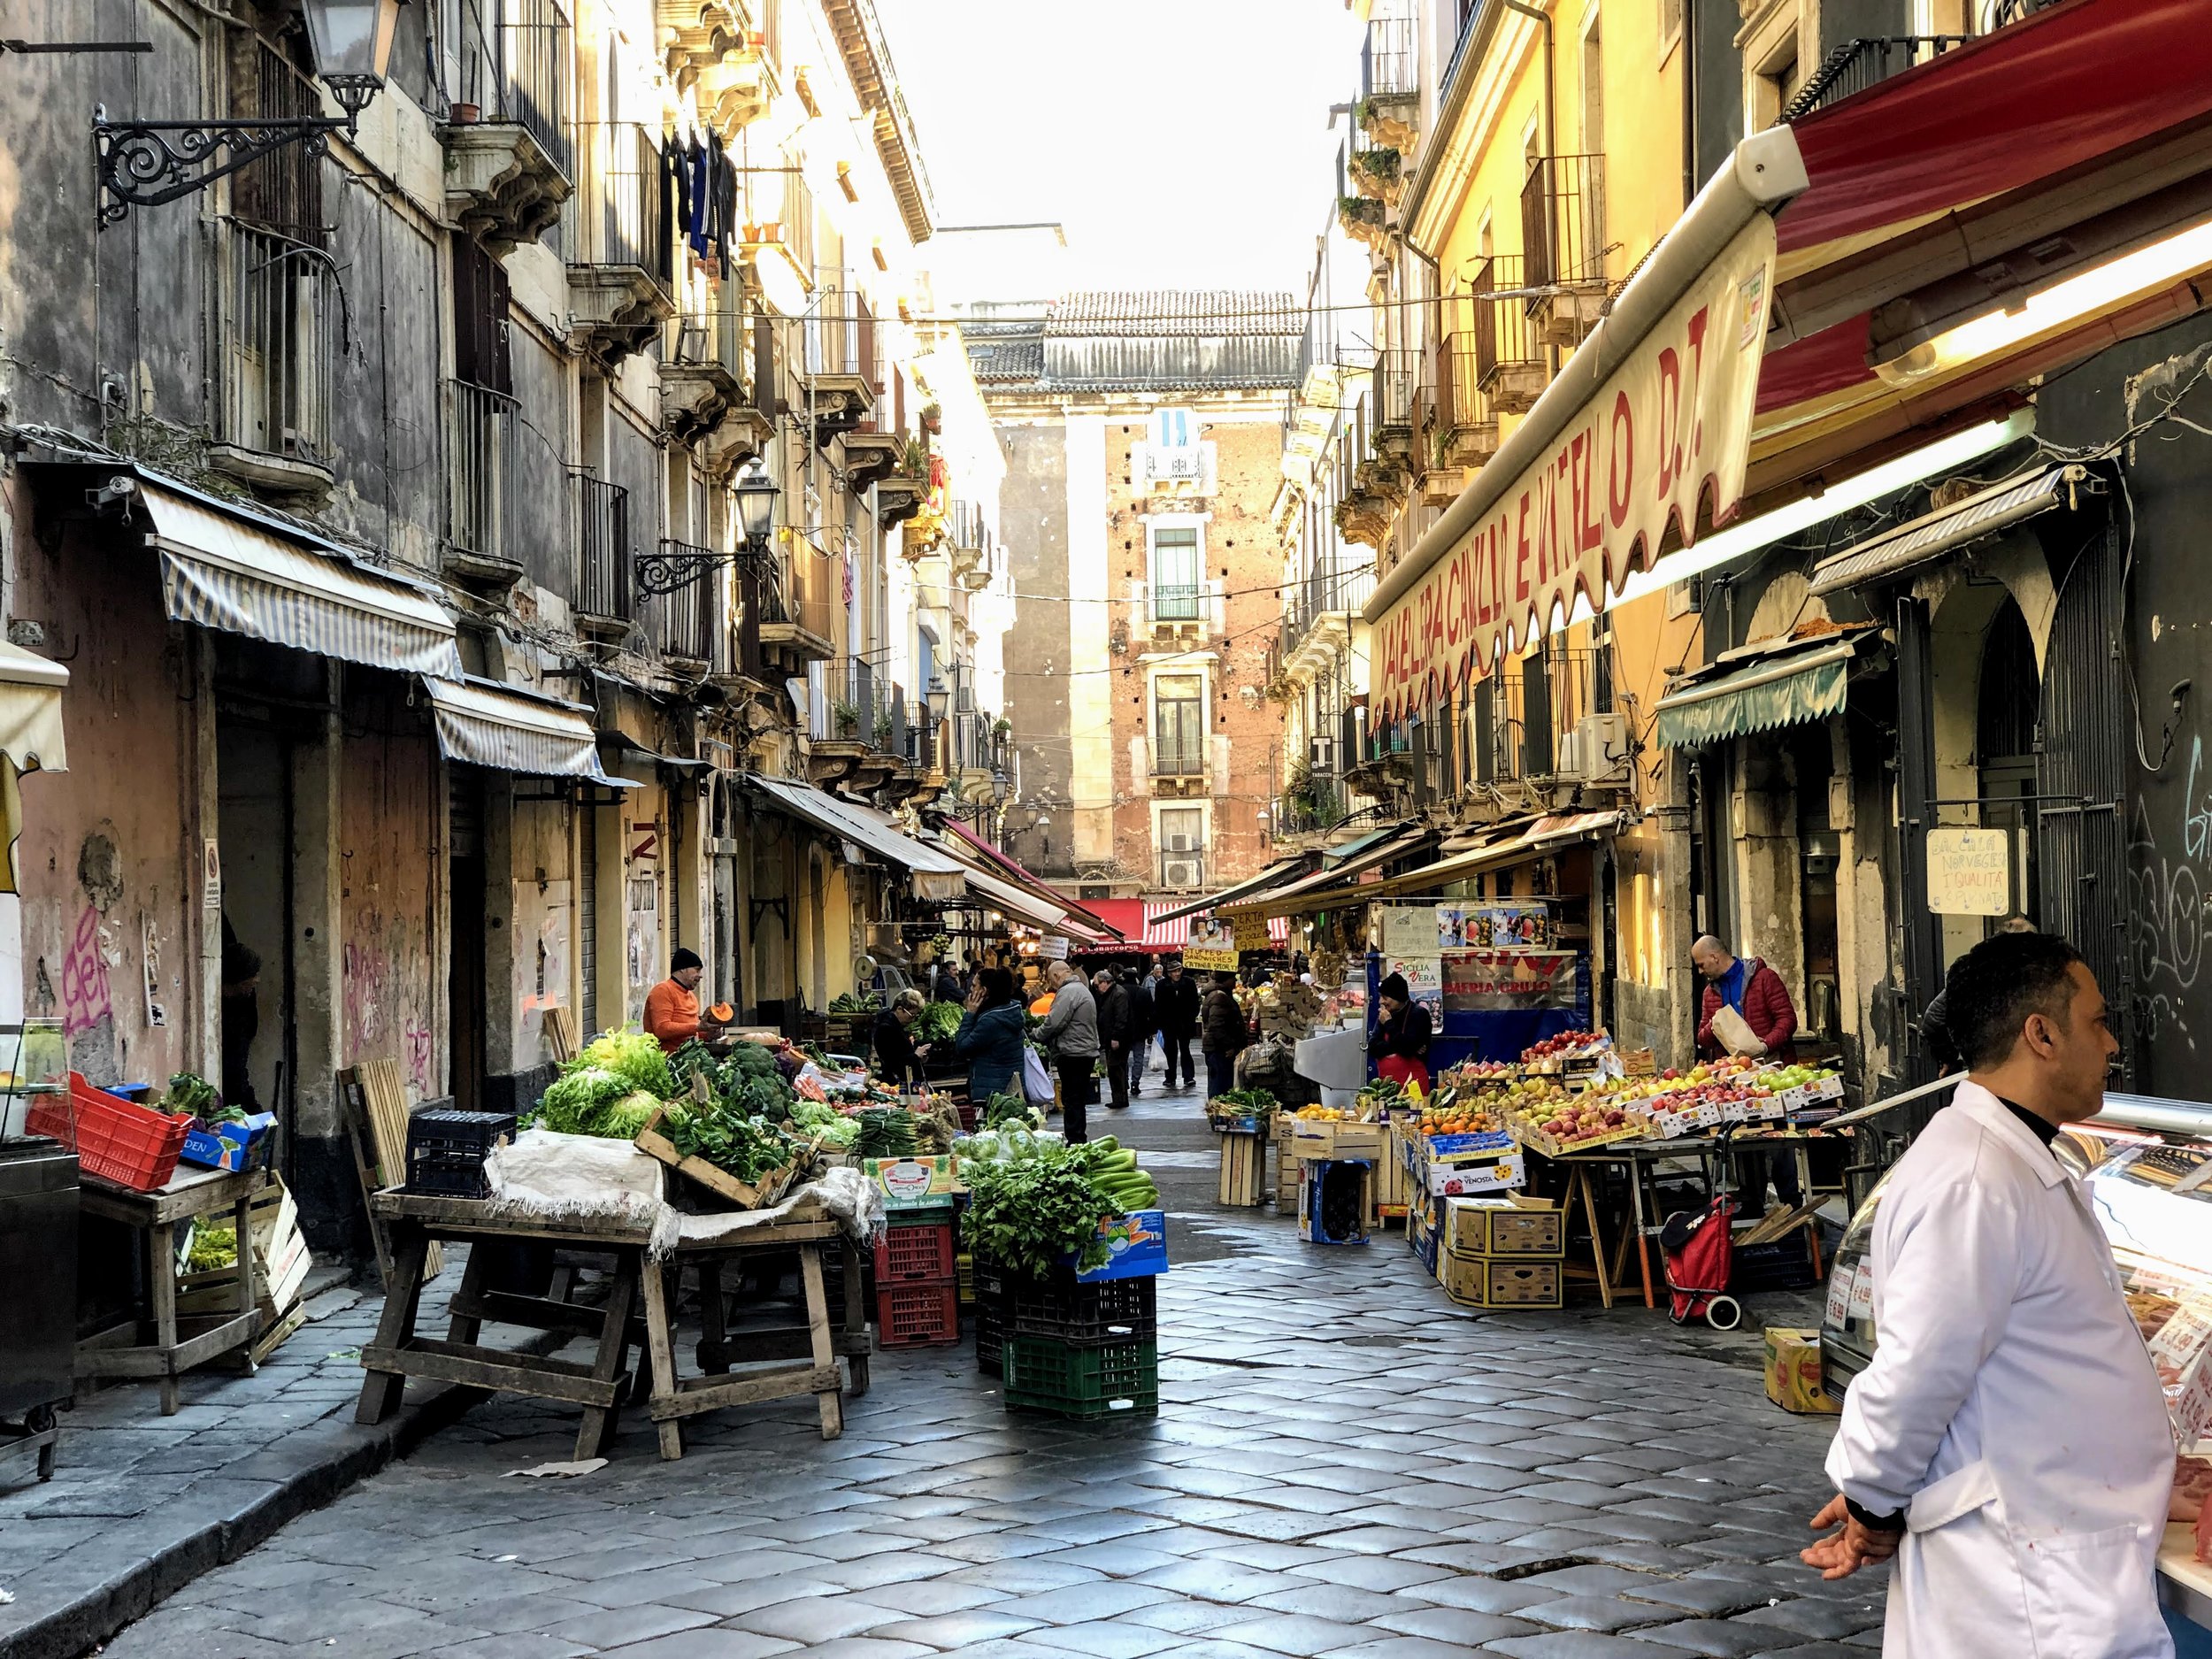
{"points": [[1111, 1379]]}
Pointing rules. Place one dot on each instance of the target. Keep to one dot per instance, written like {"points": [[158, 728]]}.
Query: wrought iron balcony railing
{"points": [[1857, 64], [482, 426], [1563, 221], [282, 320], [603, 545], [619, 212]]}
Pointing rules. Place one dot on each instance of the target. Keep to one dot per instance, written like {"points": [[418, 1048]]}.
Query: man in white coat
{"points": [[2008, 1443]]}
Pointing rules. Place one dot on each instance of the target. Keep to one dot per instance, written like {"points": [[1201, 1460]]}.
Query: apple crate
{"points": [[1243, 1181], [1500, 1282], [917, 1315]]}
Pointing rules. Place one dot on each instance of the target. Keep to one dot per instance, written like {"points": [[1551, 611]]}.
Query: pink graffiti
{"points": [[84, 979], [418, 1057]]}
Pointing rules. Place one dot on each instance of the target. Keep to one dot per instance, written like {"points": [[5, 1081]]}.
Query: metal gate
{"points": [[2081, 771]]}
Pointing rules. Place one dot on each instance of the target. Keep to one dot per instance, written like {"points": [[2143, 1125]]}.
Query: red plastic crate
{"points": [[914, 1255], [130, 1145], [917, 1315]]}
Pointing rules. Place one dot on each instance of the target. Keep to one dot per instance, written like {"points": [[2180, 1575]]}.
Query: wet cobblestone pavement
{"points": [[1344, 1464]]}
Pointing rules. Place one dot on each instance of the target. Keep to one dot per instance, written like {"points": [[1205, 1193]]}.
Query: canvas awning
{"points": [[1078, 919], [223, 567], [1545, 836], [1928, 538], [1018, 902], [488, 723], [1274, 875], [1649, 419], [1294, 899], [30, 739], [936, 875], [1792, 690]]}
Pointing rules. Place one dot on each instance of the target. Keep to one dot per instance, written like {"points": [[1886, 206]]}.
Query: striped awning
{"points": [[1791, 691], [933, 875], [1167, 927], [225, 568], [487, 724]]}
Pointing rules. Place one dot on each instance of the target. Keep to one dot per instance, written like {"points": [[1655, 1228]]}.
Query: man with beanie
{"points": [[672, 1006]]}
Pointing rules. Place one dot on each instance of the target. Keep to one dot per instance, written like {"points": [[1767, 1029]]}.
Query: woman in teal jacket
{"points": [[991, 1036]]}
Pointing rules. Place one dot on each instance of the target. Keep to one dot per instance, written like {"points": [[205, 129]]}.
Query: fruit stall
{"points": [[1497, 977]]}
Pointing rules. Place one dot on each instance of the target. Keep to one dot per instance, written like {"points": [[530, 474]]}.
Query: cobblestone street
{"points": [[1344, 1464]]}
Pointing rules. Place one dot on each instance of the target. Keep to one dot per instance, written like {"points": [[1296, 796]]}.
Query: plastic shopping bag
{"points": [[1036, 1077]]}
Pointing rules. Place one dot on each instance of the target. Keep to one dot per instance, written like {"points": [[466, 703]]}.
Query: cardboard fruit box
{"points": [[1484, 1281], [1793, 1368], [1507, 1225], [1498, 1173]]}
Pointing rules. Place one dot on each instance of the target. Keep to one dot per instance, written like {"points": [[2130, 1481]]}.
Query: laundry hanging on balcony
{"points": [[224, 567]]}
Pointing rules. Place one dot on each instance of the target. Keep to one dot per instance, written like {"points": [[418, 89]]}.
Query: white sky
{"points": [[1183, 143]]}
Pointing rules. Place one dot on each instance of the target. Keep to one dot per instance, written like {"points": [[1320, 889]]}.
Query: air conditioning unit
{"points": [[1602, 743], [1179, 844], [1183, 874]]}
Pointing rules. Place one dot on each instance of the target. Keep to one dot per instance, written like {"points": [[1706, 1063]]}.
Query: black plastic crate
{"points": [[1780, 1264], [446, 1151], [439, 1174], [990, 1340], [1061, 1310]]}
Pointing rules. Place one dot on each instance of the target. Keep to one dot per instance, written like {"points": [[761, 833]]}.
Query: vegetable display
{"points": [[885, 1131], [747, 1148], [1011, 1109], [589, 1100], [940, 1022], [1034, 1198], [633, 1057], [189, 1092], [846, 1002]]}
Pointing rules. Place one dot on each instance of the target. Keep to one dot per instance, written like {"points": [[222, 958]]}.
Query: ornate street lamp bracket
{"points": [[144, 163]]}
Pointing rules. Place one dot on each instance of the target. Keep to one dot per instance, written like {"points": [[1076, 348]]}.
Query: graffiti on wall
{"points": [[85, 998], [2167, 922], [384, 977]]}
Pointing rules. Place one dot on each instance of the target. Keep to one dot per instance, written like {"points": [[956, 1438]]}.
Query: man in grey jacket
{"points": [[1069, 1035]]}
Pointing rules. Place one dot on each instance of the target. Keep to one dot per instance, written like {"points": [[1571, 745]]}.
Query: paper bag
{"points": [[1734, 1034]]}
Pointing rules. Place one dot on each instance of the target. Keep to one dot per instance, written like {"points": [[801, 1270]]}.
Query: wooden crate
{"points": [[1243, 1171], [744, 1194], [1286, 1161], [1486, 1281]]}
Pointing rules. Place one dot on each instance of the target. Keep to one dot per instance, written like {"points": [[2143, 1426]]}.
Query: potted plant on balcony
{"points": [[1361, 218], [932, 419], [846, 718], [883, 731], [1377, 172]]}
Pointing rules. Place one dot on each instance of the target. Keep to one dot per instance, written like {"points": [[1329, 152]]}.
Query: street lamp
{"points": [[667, 573], [1002, 787], [144, 163], [940, 699]]}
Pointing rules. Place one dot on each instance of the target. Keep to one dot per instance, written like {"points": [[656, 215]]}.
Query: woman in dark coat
{"points": [[991, 1036], [898, 1059]]}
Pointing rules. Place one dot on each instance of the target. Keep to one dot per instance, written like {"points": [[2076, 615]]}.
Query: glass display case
{"points": [[2146, 1166], [34, 1062]]}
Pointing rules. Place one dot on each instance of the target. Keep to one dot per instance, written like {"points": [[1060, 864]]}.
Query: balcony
{"points": [[481, 428], [604, 604], [1317, 616], [621, 268], [777, 235], [726, 52], [854, 741], [1858, 64], [280, 312], [901, 493], [1510, 368], [838, 369], [1563, 241], [1179, 749], [1389, 82], [710, 365], [681, 624], [1364, 219], [797, 618], [507, 163], [1465, 432], [1170, 477]]}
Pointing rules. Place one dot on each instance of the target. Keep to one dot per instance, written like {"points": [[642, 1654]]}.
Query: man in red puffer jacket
{"points": [[1752, 988]]}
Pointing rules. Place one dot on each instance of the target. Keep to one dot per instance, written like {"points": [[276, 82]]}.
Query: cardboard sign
{"points": [[1970, 871], [1423, 978], [1251, 933], [1409, 930], [1212, 945], [1479, 981]]}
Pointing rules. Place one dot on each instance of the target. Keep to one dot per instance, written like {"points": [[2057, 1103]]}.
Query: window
{"points": [[1182, 833], [1179, 726], [1173, 429], [1175, 584]]}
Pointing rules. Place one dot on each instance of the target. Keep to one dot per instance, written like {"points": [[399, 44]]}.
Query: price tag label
{"points": [[1840, 1286], [1862, 1291]]}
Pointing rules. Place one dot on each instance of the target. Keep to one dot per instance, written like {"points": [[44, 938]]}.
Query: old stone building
{"points": [[1143, 443]]}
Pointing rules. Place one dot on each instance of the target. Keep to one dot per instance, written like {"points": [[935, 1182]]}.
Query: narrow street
{"points": [[1343, 1464]]}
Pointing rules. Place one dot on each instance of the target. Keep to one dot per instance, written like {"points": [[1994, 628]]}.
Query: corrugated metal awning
{"points": [[1295, 898], [1547, 835], [1785, 691], [1274, 875], [936, 875], [488, 723], [248, 575], [1928, 538]]}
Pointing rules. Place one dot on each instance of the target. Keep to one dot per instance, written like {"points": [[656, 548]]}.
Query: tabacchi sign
{"points": [[1671, 421]]}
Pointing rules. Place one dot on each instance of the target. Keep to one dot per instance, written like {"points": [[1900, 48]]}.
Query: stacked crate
{"points": [[918, 1286], [1082, 1349], [990, 1316], [1506, 1251]]}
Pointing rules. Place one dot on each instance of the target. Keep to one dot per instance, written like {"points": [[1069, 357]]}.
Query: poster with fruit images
{"points": [[1521, 927], [1486, 981]]}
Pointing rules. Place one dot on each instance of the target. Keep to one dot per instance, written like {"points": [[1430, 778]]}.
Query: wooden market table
{"points": [[166, 1344], [601, 1384]]}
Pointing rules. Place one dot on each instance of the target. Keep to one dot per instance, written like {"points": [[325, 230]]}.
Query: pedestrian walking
{"points": [[1399, 1044], [1746, 1009], [2008, 1443], [1117, 1023], [1175, 1002], [1144, 1020], [1224, 1034], [946, 987], [1069, 1035]]}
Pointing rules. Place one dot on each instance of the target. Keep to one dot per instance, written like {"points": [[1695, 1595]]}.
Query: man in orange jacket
{"points": [[672, 1006]]}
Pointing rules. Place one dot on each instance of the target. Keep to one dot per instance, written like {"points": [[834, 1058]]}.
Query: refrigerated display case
{"points": [[2146, 1165], [38, 1251]]}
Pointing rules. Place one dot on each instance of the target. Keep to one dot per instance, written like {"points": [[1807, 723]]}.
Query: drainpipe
{"points": [[1689, 105], [1551, 125]]}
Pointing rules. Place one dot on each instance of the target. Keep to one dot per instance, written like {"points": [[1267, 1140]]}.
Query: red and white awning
{"points": [[1159, 926]]}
